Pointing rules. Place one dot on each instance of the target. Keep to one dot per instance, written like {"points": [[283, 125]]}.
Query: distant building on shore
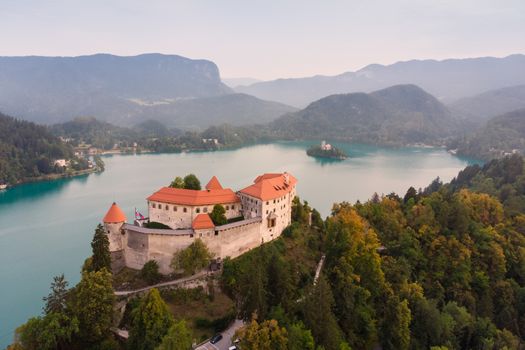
{"points": [[257, 214]]}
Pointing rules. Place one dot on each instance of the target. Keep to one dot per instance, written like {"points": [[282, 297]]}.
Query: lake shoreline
{"points": [[53, 177]]}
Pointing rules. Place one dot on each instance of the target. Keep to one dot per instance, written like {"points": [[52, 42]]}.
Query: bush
{"points": [[157, 225], [218, 215], [150, 272]]}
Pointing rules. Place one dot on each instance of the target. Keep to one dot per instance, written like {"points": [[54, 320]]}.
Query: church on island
{"points": [[256, 214]]}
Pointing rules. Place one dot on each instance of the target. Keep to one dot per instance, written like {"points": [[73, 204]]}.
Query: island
{"points": [[326, 150]]}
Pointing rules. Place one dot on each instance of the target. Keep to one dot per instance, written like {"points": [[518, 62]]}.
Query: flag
{"points": [[138, 216]]}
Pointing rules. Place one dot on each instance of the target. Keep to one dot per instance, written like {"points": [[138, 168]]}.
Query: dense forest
{"points": [[441, 268], [500, 135], [28, 150], [438, 268]]}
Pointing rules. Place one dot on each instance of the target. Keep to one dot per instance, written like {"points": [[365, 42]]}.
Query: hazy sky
{"points": [[267, 39]]}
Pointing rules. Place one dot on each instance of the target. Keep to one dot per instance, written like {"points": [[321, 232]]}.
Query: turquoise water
{"points": [[46, 227]]}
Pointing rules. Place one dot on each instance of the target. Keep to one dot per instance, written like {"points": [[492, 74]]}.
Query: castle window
{"points": [[267, 202], [198, 210], [216, 233], [153, 205], [274, 201], [267, 212], [227, 207], [233, 207], [185, 209], [167, 207], [174, 208], [205, 209]]}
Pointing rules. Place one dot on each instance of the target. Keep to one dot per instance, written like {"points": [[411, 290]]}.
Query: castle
{"points": [[257, 214]]}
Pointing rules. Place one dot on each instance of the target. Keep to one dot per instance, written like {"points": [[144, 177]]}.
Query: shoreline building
{"points": [[256, 214]]}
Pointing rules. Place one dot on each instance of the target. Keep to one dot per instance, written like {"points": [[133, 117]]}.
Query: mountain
{"points": [[28, 150], [501, 136], [480, 108], [401, 114], [448, 80], [53, 89], [200, 113]]}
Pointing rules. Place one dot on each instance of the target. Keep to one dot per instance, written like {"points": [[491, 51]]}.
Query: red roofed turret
{"points": [[214, 184], [114, 215], [201, 222]]}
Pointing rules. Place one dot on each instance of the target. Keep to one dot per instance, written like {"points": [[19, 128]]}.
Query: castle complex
{"points": [[256, 214]]}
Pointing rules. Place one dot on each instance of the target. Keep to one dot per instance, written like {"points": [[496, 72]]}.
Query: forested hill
{"points": [[397, 115], [479, 108], [501, 178], [438, 269], [501, 135], [104, 135], [28, 150]]}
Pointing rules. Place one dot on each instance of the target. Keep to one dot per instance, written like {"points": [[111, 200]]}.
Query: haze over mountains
{"points": [[125, 90], [448, 80], [175, 92]]}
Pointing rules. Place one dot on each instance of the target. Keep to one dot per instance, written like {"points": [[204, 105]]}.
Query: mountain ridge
{"points": [[447, 79]]}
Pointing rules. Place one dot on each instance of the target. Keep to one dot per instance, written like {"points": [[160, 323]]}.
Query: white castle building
{"points": [[260, 211]]}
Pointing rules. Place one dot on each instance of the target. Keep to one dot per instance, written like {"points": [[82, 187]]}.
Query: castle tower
{"points": [[113, 222]]}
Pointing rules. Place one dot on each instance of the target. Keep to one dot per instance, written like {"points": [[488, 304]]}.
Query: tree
{"points": [[51, 332], [300, 338], [265, 336], [318, 315], [151, 321], [178, 182], [411, 193], [395, 329], [178, 338], [191, 182], [56, 300], [195, 257], [218, 215], [150, 272], [92, 304], [100, 247]]}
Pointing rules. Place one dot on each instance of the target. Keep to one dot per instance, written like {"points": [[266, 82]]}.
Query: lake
{"points": [[47, 227]]}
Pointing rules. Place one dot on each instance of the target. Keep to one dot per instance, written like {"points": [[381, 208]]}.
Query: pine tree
{"points": [[318, 315], [100, 247], [395, 329], [56, 300]]}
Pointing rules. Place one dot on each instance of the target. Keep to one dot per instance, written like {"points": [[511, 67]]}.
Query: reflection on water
{"points": [[46, 227]]}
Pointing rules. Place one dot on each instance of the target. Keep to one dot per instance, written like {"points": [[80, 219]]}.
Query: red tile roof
{"points": [[194, 197], [214, 184], [202, 221], [270, 186], [114, 214]]}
